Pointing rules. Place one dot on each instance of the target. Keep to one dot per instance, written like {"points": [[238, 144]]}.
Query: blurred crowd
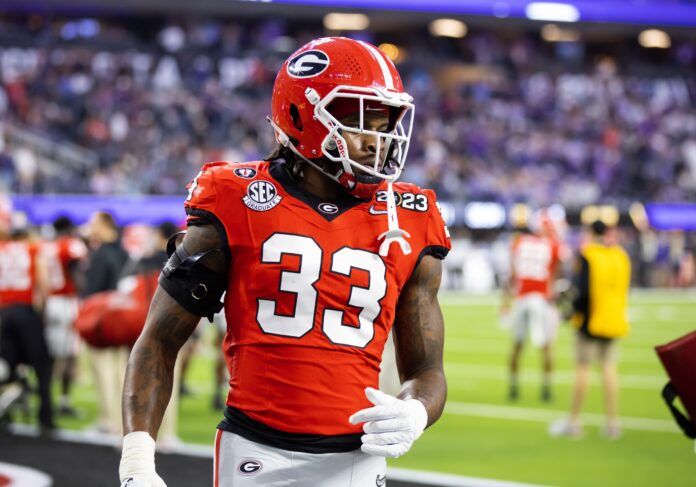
{"points": [[504, 117]]}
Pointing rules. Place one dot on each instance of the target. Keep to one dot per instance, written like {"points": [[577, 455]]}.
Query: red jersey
{"points": [[17, 272], [58, 256], [534, 260], [310, 301]]}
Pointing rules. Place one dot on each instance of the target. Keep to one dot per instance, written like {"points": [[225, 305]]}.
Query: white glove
{"points": [[137, 468], [392, 425]]}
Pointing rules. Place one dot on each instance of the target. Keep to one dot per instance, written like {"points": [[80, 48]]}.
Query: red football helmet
{"points": [[327, 79]]}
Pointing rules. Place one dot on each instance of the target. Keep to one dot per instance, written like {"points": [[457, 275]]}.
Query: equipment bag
{"points": [[116, 318], [679, 359]]}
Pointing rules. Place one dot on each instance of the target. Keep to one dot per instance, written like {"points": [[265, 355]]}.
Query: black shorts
{"points": [[22, 339]]}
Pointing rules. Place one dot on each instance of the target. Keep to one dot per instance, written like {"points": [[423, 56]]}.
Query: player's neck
{"points": [[316, 183]]}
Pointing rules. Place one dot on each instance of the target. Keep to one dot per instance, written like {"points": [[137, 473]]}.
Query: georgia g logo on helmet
{"points": [[308, 64]]}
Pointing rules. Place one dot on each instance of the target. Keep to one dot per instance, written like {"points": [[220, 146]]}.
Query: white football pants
{"points": [[243, 463]]}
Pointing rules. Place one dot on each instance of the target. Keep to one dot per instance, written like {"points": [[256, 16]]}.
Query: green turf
{"points": [[509, 448]]}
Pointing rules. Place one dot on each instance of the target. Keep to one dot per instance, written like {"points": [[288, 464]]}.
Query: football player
{"points": [[62, 257], [23, 291], [320, 251], [535, 258]]}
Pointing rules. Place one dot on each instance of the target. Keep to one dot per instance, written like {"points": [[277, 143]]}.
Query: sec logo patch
{"points": [[261, 196], [245, 172]]}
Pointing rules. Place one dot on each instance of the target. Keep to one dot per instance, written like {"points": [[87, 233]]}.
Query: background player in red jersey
{"points": [[61, 257], [534, 267], [301, 243], [23, 290]]}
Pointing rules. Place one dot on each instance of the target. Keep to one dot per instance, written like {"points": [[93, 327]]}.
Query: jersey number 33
{"points": [[303, 282]]}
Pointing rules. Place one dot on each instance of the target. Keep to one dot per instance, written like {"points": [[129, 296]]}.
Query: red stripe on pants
{"points": [[216, 459]]}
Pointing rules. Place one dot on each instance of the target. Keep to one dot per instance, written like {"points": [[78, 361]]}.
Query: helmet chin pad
{"points": [[362, 186], [359, 185]]}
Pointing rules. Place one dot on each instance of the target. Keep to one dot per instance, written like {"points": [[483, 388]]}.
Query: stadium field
{"points": [[481, 434]]}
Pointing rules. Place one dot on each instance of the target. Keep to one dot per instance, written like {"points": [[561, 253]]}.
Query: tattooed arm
{"points": [[148, 384], [392, 424], [419, 339]]}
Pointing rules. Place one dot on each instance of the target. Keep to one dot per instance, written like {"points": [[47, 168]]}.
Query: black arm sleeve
{"points": [[581, 303]]}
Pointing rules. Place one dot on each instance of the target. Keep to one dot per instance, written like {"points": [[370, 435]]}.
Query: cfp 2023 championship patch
{"points": [[261, 196]]}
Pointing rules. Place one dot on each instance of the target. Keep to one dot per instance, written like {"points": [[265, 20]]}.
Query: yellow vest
{"points": [[610, 279]]}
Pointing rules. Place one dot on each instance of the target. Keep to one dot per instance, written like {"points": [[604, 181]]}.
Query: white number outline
{"points": [[326, 322], [262, 302]]}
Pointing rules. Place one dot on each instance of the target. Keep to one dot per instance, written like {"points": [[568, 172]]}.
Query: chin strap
{"points": [[394, 234]]}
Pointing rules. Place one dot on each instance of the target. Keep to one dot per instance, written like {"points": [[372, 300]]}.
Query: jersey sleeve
{"points": [[203, 202], [437, 242]]}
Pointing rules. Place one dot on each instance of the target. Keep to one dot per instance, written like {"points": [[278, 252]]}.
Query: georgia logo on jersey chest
{"points": [[328, 208], [261, 196]]}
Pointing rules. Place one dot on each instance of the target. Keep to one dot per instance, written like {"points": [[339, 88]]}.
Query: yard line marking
{"points": [[477, 371], [446, 480], [501, 348], [637, 297], [503, 343], [517, 413]]}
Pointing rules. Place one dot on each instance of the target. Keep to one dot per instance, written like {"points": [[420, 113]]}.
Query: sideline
{"points": [[21, 476], [447, 480], [410, 477]]}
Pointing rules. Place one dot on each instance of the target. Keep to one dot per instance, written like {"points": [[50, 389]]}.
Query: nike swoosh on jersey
{"points": [[377, 212]]}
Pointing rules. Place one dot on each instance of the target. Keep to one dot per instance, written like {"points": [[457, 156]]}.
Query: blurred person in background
{"points": [[62, 258], [107, 257], [528, 301], [23, 290], [602, 280], [104, 267], [154, 257], [220, 376]]}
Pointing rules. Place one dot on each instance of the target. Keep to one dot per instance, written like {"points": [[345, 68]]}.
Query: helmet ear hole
{"points": [[296, 119]]}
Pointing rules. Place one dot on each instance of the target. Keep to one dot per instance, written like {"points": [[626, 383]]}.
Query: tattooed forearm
{"points": [[150, 373], [419, 339]]}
